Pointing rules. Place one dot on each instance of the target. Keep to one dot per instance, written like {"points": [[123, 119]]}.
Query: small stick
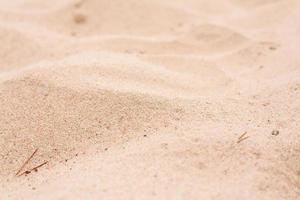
{"points": [[243, 135], [25, 163], [34, 169], [242, 139]]}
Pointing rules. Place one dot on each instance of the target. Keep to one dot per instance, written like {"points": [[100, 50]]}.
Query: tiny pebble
{"points": [[275, 132]]}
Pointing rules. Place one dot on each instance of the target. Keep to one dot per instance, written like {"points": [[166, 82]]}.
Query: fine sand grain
{"points": [[150, 99]]}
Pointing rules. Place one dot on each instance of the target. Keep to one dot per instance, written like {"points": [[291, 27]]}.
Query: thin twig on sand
{"points": [[242, 137], [34, 169], [25, 163]]}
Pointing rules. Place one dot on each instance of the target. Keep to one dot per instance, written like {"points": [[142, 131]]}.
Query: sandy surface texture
{"points": [[150, 99]]}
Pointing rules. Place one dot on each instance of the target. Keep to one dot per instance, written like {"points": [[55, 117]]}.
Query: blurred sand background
{"points": [[150, 99]]}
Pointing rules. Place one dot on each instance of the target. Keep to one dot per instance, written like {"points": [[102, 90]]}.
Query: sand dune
{"points": [[150, 99]]}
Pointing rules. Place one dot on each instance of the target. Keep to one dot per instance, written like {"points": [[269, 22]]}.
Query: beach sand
{"points": [[140, 99]]}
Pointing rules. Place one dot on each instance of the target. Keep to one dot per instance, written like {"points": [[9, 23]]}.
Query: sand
{"points": [[136, 99]]}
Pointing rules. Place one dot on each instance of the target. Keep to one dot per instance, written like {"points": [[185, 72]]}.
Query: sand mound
{"points": [[50, 108]]}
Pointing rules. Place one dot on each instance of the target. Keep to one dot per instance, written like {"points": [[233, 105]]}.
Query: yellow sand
{"points": [[150, 99]]}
